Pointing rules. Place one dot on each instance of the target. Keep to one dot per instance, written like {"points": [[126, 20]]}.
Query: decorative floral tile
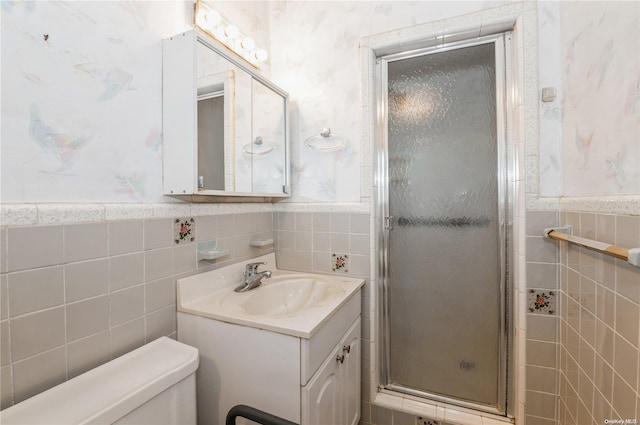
{"points": [[184, 230], [340, 263], [542, 302]]}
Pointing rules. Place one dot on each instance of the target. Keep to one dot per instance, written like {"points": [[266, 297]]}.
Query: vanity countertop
{"points": [[291, 303]]}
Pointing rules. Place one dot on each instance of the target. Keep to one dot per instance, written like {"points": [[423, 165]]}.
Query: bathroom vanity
{"points": [[290, 347]]}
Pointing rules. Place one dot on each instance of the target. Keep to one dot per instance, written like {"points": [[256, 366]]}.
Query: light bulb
{"points": [[218, 33], [212, 18], [248, 43], [261, 55], [232, 32]]}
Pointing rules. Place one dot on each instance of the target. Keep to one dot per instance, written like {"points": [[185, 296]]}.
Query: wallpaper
{"points": [[595, 54], [81, 99], [81, 93], [81, 90], [314, 56]]}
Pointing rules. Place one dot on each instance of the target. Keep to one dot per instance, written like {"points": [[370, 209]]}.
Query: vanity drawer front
{"points": [[315, 350]]}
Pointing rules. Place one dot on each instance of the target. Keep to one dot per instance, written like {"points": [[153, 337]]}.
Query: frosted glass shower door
{"points": [[445, 267]]}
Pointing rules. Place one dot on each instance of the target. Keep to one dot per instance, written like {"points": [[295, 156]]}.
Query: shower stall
{"points": [[444, 196]]}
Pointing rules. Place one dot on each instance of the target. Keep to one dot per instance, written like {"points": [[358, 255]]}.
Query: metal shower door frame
{"points": [[506, 191]]}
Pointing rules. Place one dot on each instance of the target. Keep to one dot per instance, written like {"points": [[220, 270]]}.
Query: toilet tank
{"points": [[154, 384]]}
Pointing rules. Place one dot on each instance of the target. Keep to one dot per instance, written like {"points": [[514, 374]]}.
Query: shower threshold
{"points": [[430, 406]]}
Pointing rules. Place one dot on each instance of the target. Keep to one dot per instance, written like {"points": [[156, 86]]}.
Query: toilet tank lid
{"points": [[109, 392]]}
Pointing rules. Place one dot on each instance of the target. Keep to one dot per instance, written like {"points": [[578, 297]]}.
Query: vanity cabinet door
{"points": [[350, 375], [321, 396], [332, 396]]}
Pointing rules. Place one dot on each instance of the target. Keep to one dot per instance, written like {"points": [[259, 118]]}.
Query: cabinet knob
{"points": [[346, 348], [340, 358]]}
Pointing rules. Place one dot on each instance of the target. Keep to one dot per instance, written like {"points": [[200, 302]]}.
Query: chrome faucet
{"points": [[252, 278]]}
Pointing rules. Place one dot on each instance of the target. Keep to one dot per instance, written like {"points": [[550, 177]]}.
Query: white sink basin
{"points": [[292, 303], [283, 295]]}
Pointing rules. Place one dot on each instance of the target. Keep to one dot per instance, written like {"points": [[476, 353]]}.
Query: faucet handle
{"points": [[252, 267]]}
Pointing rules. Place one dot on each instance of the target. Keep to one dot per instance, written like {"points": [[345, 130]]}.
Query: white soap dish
{"points": [[262, 242], [212, 254], [209, 251]]}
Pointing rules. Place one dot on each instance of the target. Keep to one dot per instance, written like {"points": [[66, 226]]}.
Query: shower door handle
{"points": [[388, 222]]}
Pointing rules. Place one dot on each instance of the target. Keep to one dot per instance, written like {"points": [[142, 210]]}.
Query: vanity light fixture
{"points": [[212, 23]]}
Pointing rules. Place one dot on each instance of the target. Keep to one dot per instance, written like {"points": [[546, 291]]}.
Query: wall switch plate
{"points": [[548, 94]]}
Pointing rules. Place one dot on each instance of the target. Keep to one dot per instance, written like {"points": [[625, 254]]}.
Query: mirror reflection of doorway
{"points": [[211, 170]]}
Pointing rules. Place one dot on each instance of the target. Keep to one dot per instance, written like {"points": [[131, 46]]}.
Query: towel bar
{"points": [[632, 256]]}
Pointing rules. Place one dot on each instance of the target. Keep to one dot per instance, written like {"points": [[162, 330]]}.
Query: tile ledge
{"points": [[63, 213], [346, 207], [619, 204], [450, 414], [505, 15]]}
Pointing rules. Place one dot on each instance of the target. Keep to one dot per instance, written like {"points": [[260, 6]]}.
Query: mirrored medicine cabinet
{"points": [[225, 127]]}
